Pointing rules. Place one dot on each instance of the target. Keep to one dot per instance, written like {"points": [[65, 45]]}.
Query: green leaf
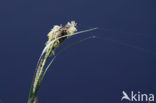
{"points": [[61, 51]]}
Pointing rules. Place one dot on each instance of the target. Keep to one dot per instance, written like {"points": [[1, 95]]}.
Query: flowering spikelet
{"points": [[59, 31], [56, 31]]}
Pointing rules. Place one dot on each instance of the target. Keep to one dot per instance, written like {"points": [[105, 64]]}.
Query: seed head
{"points": [[58, 31]]}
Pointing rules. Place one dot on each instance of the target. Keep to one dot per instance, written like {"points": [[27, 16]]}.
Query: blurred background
{"points": [[122, 57]]}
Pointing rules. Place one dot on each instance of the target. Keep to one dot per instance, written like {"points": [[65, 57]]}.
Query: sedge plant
{"points": [[56, 37]]}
